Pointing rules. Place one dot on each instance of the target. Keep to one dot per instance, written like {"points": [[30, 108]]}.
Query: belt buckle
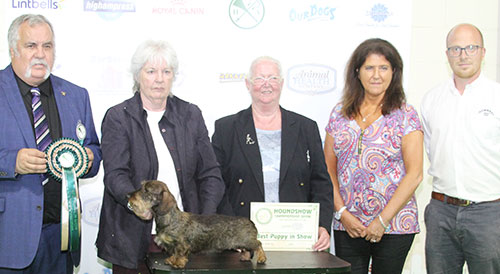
{"points": [[467, 203]]}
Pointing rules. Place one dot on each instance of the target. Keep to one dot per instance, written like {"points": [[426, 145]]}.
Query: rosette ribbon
{"points": [[68, 161]]}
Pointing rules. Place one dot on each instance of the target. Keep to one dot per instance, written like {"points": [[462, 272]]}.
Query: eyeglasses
{"points": [[273, 80], [470, 50]]}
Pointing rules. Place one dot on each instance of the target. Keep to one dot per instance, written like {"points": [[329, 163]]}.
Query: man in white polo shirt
{"points": [[461, 120]]}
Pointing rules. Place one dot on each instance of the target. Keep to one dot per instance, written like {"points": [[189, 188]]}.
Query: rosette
{"points": [[67, 161]]}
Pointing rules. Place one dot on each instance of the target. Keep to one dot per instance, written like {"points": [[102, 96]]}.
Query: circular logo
{"points": [[246, 14], [264, 216], [81, 132]]}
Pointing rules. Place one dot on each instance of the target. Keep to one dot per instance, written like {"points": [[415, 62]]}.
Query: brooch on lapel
{"points": [[249, 141], [63, 93]]}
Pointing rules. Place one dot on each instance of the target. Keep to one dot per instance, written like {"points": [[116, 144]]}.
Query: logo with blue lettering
{"points": [[246, 14], [91, 210], [36, 4], [314, 12], [109, 9], [311, 79], [379, 13]]}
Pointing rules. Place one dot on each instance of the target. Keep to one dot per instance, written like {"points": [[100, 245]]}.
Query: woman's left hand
{"points": [[323, 240], [375, 231]]}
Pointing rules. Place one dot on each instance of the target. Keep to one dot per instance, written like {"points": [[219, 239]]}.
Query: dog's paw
{"points": [[261, 256], [245, 256], [176, 262]]}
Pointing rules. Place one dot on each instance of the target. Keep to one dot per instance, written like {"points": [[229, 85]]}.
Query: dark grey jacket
{"points": [[303, 173], [129, 157]]}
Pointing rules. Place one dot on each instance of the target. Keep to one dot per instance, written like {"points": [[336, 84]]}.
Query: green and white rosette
{"points": [[68, 161]]}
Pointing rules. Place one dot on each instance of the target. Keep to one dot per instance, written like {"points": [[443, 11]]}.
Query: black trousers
{"points": [[388, 256]]}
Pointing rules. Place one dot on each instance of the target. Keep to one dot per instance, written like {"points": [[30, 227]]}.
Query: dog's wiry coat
{"points": [[181, 233]]}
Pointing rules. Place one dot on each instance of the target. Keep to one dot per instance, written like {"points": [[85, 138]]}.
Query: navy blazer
{"points": [[21, 196], [303, 173], [129, 157]]}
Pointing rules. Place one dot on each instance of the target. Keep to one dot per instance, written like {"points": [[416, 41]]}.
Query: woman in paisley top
{"points": [[374, 153]]}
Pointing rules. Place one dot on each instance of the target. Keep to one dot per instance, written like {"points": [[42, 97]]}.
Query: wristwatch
{"points": [[338, 214]]}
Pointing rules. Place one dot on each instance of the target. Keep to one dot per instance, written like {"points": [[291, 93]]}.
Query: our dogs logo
{"points": [[246, 14]]}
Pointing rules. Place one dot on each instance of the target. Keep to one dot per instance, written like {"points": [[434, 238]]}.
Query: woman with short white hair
{"points": [[152, 136]]}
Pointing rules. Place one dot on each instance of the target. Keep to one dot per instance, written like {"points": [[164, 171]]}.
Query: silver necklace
{"points": [[363, 118]]}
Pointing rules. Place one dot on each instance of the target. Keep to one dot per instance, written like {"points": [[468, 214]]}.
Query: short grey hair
{"points": [[260, 59], [32, 19], [152, 51]]}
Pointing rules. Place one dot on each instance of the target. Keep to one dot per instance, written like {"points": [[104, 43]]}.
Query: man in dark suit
{"points": [[30, 205], [269, 154]]}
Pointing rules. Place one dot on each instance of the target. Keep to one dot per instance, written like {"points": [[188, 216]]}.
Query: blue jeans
{"points": [[388, 256], [458, 234]]}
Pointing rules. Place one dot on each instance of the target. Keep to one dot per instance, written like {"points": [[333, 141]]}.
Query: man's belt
{"points": [[456, 201]]}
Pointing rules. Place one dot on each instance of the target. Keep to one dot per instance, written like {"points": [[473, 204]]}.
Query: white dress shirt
{"points": [[462, 139]]}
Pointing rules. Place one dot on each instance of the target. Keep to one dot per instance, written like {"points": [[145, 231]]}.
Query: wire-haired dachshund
{"points": [[181, 233]]}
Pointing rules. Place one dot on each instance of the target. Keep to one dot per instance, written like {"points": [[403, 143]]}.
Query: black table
{"points": [[277, 262]]}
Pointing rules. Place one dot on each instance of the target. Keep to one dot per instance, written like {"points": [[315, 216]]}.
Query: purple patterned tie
{"points": [[42, 132]]}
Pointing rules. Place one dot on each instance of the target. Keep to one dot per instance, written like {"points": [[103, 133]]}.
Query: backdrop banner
{"points": [[215, 42]]}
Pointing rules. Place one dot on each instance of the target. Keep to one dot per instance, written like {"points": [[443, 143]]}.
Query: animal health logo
{"points": [[312, 79]]}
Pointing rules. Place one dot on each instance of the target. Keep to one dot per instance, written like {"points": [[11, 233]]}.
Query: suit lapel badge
{"points": [[63, 93], [249, 141]]}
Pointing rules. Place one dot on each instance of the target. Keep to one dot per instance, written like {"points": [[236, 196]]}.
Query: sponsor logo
{"points": [[246, 14], [91, 211], [379, 13], [36, 4], [228, 77], [109, 5], [486, 112], [312, 79], [312, 13], [179, 7]]}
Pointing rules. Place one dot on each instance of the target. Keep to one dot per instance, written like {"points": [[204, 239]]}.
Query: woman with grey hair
{"points": [[270, 154], [152, 136]]}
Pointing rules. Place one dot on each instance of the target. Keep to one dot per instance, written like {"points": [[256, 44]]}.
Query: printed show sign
{"points": [[286, 226]]}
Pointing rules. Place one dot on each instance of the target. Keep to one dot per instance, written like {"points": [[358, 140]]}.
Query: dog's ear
{"points": [[154, 187], [167, 203]]}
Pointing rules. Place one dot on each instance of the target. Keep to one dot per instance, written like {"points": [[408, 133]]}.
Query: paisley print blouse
{"points": [[370, 165]]}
